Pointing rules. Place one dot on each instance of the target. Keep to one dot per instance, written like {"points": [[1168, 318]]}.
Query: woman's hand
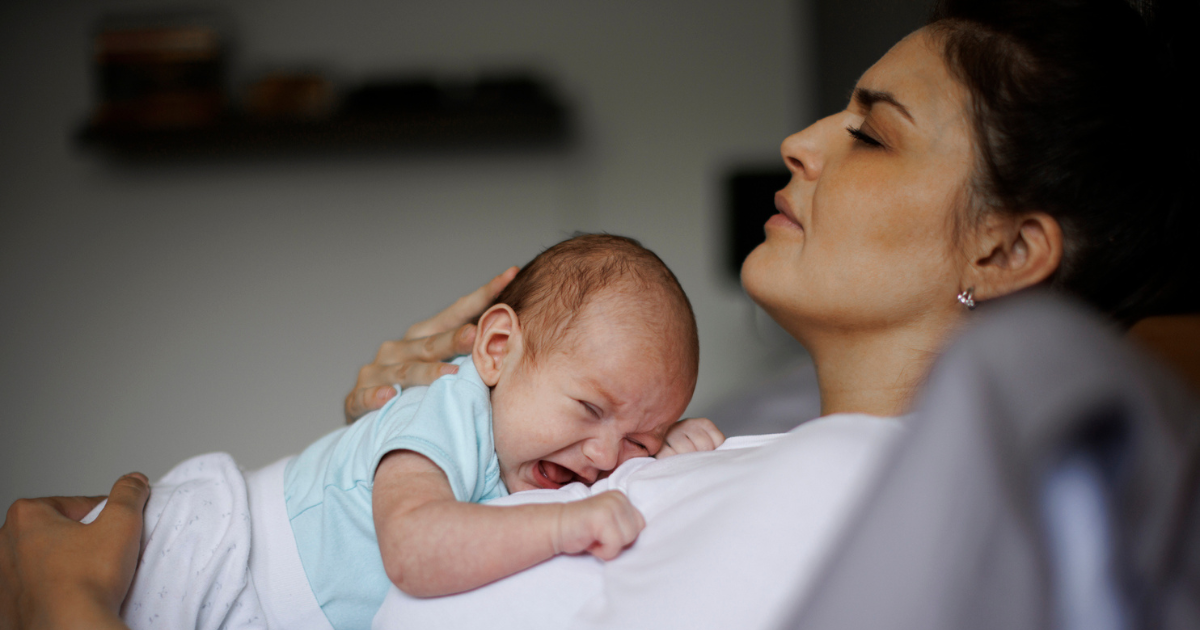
{"points": [[417, 358], [691, 435], [58, 573]]}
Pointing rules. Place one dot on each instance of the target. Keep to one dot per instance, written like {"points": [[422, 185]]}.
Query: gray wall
{"points": [[850, 35], [150, 314]]}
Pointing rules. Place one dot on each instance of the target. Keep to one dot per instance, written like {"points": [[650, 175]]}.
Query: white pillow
{"points": [[733, 537]]}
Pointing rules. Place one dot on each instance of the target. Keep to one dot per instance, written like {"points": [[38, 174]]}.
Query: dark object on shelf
{"points": [[515, 111], [291, 96], [749, 202], [158, 74]]}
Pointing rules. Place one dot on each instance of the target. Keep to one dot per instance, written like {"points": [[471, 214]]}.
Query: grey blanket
{"points": [[1050, 481]]}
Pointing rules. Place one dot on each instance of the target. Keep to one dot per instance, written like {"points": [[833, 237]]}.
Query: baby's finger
{"points": [[628, 519], [713, 433], [678, 442], [607, 546], [465, 309], [610, 544], [701, 441]]}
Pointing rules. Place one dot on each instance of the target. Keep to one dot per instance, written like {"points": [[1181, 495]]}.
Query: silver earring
{"points": [[968, 298]]}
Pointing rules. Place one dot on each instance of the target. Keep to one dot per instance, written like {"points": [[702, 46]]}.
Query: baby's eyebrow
{"points": [[602, 392]]}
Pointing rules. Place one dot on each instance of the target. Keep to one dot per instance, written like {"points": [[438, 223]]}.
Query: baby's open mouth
{"points": [[550, 475]]}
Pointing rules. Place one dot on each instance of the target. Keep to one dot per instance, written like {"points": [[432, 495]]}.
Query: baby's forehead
{"points": [[643, 377], [628, 310]]}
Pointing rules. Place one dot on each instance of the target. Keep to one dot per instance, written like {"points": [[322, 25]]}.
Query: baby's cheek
{"points": [[632, 451], [512, 481]]}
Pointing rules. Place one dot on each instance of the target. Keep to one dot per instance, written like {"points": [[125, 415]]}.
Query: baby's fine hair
{"points": [[552, 290]]}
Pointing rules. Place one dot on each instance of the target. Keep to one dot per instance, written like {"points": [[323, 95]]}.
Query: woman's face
{"points": [[865, 237]]}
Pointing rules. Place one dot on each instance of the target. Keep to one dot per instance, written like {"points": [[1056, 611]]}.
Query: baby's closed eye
{"points": [[592, 409]]}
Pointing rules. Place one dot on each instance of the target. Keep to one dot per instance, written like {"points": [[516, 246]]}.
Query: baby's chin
{"points": [[515, 484]]}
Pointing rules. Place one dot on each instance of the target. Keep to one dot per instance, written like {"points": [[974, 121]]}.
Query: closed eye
{"points": [[861, 136], [592, 409], [637, 444]]}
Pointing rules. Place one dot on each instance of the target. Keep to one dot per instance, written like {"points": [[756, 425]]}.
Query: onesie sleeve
{"points": [[452, 426]]}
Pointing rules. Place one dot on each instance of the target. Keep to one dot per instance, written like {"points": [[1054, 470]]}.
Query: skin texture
{"points": [[608, 393], [873, 241]]}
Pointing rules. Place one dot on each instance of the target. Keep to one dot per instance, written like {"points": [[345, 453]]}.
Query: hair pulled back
{"points": [[1078, 113]]}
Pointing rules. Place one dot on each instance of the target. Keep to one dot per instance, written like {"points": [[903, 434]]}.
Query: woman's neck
{"points": [[876, 373]]}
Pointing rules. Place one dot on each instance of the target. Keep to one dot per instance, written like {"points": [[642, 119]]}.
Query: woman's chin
{"points": [[768, 278], [761, 274]]}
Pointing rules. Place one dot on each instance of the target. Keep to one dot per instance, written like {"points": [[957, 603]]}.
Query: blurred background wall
{"points": [[152, 312]]}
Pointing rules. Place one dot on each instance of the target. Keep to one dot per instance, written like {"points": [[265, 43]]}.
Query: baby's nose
{"points": [[603, 453]]}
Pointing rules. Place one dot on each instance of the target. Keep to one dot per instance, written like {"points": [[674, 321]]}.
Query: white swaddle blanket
{"points": [[218, 553]]}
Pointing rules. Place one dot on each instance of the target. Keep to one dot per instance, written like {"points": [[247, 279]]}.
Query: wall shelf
{"points": [[378, 118]]}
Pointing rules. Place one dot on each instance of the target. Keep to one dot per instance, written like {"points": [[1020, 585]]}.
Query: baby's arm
{"points": [[691, 435], [434, 545]]}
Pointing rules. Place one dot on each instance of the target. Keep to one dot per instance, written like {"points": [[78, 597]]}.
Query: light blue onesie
{"points": [[328, 487]]}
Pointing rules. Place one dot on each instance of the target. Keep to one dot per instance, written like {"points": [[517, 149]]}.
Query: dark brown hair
{"points": [[550, 292], [1068, 100]]}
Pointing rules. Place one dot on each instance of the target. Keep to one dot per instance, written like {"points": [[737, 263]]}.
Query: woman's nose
{"points": [[804, 151]]}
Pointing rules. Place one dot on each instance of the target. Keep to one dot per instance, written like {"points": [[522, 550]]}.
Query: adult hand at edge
{"points": [[416, 359], [58, 573]]}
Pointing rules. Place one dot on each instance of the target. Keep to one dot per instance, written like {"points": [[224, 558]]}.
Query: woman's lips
{"points": [[787, 216], [782, 221], [550, 475]]}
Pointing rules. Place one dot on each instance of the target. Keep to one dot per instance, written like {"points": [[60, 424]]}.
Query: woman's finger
{"points": [[74, 508], [465, 309], [365, 400], [434, 348], [414, 374], [126, 502], [441, 346]]}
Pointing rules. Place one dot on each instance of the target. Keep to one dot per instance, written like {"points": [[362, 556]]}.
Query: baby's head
{"points": [[591, 353]]}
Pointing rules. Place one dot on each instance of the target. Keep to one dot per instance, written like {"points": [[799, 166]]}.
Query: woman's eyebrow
{"points": [[866, 98]]}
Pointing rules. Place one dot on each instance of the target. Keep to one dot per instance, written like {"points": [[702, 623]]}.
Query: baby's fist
{"points": [[691, 435], [602, 525]]}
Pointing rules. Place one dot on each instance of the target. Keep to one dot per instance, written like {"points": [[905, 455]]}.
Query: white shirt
{"points": [[733, 538]]}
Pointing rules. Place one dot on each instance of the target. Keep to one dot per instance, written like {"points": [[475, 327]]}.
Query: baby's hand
{"points": [[601, 525], [691, 435]]}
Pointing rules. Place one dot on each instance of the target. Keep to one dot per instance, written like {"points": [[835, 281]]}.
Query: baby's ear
{"points": [[497, 341]]}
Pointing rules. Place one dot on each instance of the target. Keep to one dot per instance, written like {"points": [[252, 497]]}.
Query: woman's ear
{"points": [[497, 341], [1013, 252]]}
